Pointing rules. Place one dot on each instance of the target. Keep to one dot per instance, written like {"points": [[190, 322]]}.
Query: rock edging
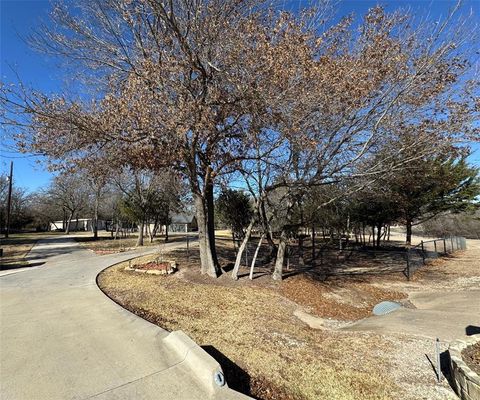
{"points": [[171, 270], [466, 381]]}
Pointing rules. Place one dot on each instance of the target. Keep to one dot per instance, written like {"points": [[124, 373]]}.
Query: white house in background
{"points": [[180, 223], [81, 224]]}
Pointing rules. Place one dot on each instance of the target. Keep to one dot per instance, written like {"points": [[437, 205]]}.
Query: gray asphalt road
{"points": [[62, 338]]}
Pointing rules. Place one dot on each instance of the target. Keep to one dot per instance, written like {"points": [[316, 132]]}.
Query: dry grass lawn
{"points": [[254, 327], [270, 354], [106, 244], [17, 246]]}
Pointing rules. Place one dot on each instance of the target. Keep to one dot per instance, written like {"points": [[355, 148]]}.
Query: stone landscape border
{"points": [[172, 269], [465, 381]]}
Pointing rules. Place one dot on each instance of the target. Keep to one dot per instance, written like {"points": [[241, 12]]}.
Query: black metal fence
{"points": [[325, 261], [419, 255]]}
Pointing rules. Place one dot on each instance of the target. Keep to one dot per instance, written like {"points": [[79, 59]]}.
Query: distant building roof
{"points": [[182, 218]]}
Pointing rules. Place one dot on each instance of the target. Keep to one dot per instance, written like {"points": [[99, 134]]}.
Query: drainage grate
{"points": [[386, 307]]}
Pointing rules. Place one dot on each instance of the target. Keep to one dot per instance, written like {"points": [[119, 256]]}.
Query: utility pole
{"points": [[9, 201]]}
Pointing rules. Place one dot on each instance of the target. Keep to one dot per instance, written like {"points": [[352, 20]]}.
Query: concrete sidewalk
{"points": [[62, 338], [446, 315]]}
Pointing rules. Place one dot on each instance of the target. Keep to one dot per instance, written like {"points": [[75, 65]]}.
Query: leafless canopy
{"points": [[215, 87]]}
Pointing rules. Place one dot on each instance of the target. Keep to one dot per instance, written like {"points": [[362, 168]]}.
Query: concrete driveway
{"points": [[446, 315], [62, 338]]}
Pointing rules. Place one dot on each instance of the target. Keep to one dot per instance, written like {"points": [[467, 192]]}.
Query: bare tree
{"points": [[203, 85], [70, 193], [149, 197]]}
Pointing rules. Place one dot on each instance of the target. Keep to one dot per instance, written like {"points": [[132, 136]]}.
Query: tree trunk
{"points": [[301, 261], [69, 221], [64, 220], [255, 255], [241, 249], [379, 235], [409, 231], [278, 270], [155, 228], [141, 229], [208, 264], [313, 245], [268, 233], [150, 232], [210, 212], [95, 218], [166, 233]]}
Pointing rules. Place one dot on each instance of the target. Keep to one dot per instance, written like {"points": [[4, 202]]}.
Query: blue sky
{"points": [[19, 17]]}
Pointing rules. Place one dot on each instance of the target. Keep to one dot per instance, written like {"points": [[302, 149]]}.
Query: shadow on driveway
{"points": [[52, 247], [8, 267], [472, 330]]}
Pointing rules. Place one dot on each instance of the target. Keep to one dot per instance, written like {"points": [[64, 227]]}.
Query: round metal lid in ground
{"points": [[386, 307]]}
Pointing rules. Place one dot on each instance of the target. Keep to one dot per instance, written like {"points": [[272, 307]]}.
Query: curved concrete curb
{"points": [[71, 341], [202, 365], [466, 382], [184, 350]]}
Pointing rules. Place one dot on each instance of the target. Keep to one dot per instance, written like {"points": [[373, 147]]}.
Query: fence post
{"points": [[408, 264], [423, 253], [435, 246], [439, 366], [444, 246], [451, 240]]}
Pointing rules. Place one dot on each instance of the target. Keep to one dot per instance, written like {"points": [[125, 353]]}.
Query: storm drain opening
{"points": [[386, 307]]}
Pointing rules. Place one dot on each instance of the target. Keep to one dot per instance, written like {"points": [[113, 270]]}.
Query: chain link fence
{"points": [[419, 255]]}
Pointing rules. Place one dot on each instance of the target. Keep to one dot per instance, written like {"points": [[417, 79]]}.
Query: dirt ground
{"points": [[269, 353], [459, 271]]}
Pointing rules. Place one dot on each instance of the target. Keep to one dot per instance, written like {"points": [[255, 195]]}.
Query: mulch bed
{"points": [[160, 266], [471, 356], [322, 297], [107, 252]]}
